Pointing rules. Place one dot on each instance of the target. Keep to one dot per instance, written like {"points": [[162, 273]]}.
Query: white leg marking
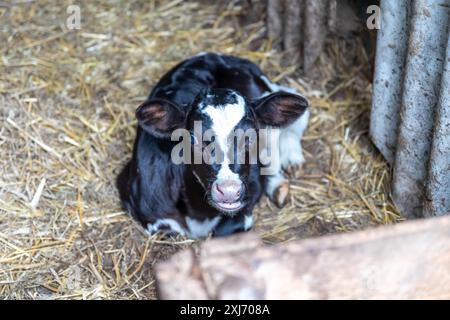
{"points": [[199, 228], [172, 224], [248, 222], [274, 173], [291, 152], [273, 182], [269, 152]]}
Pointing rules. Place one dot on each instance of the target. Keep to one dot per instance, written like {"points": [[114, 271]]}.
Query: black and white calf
{"points": [[195, 199]]}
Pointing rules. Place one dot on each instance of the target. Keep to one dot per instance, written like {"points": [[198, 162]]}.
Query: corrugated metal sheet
{"points": [[410, 121]]}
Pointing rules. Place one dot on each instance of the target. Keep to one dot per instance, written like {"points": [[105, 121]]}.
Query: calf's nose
{"points": [[227, 190]]}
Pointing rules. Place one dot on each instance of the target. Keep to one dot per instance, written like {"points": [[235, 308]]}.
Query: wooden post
{"points": [[410, 260], [316, 30]]}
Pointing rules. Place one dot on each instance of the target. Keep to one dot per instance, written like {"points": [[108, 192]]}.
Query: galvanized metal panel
{"points": [[392, 45], [438, 189], [424, 64], [423, 116]]}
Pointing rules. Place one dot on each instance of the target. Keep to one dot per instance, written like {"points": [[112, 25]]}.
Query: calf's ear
{"points": [[280, 109], [160, 117]]}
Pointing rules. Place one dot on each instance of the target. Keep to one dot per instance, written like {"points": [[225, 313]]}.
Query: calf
{"points": [[223, 94]]}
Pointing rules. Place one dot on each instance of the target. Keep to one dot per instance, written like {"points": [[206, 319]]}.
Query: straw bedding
{"points": [[67, 101]]}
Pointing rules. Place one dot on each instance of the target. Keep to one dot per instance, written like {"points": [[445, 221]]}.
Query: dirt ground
{"points": [[67, 101]]}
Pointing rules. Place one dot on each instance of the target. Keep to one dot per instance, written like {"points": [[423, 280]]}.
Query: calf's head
{"points": [[222, 129]]}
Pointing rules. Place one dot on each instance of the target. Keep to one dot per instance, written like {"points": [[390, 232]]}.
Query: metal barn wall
{"points": [[302, 28], [410, 120]]}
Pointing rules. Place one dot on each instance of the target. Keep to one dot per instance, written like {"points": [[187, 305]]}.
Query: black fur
{"points": [[151, 186]]}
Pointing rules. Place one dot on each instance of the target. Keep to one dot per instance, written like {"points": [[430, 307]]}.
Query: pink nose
{"points": [[227, 191]]}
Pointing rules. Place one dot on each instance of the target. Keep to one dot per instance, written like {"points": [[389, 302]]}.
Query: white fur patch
{"points": [[173, 225], [199, 228], [299, 126], [224, 120], [276, 87], [248, 222]]}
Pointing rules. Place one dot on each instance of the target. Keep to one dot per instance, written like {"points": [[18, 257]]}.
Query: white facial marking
{"points": [[199, 228], [248, 222], [173, 225], [224, 120]]}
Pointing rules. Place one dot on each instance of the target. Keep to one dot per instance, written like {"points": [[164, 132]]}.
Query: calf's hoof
{"points": [[294, 171], [281, 194]]}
